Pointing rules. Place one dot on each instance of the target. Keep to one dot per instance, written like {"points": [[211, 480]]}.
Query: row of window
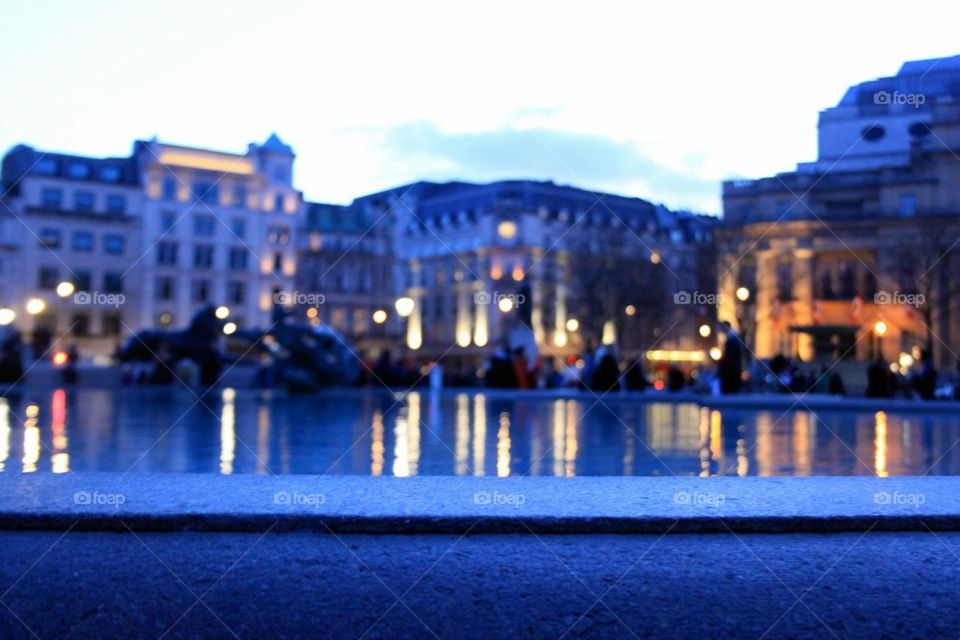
{"points": [[204, 256], [79, 170], [205, 226], [83, 201], [83, 241], [201, 290], [210, 193], [49, 277]]}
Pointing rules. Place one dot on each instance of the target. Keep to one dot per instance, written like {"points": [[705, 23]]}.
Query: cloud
{"points": [[420, 150]]}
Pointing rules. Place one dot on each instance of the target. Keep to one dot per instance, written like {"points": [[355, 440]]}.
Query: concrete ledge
{"points": [[358, 504]]}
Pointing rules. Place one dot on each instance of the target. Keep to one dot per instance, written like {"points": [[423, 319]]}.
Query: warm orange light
{"points": [[880, 327], [60, 358], [221, 163]]}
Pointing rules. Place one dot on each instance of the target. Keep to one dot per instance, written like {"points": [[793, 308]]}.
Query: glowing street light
{"points": [[7, 316], [715, 353], [743, 294], [880, 328], [630, 310], [230, 328], [404, 306], [505, 304], [379, 316], [705, 330], [65, 289], [573, 324], [35, 306], [222, 312]]}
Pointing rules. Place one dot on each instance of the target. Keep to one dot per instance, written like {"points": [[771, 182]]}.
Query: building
{"points": [[469, 262], [99, 248], [853, 255]]}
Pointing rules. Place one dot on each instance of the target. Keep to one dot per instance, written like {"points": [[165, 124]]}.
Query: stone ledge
{"points": [[359, 504]]}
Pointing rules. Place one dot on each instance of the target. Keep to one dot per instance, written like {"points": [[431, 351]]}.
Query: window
{"points": [[51, 198], [78, 170], [116, 203], [83, 201], [239, 227], [166, 288], [169, 189], [278, 202], [168, 220], [113, 282], [278, 262], [47, 167], [205, 192], [110, 173], [111, 323], [236, 292], [240, 197], [50, 238], [278, 234], [237, 259], [167, 253], [113, 243], [48, 278], [82, 241], [203, 256], [83, 280], [80, 324], [908, 205], [200, 290], [204, 225]]}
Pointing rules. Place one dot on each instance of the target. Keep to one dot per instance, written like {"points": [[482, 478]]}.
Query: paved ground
{"points": [[225, 585]]}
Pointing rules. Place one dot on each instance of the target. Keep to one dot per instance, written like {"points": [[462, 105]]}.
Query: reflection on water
{"points": [[464, 434]]}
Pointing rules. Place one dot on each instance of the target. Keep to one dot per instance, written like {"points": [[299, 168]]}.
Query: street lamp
{"points": [[630, 310], [65, 289], [505, 304], [222, 312], [35, 306], [7, 316], [743, 294], [379, 316], [404, 306], [880, 330], [705, 331], [572, 325]]}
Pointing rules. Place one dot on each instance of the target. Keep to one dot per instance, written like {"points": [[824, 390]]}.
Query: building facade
{"points": [[473, 262], [96, 249], [853, 255]]}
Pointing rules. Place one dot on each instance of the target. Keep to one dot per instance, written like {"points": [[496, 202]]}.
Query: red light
{"points": [[571, 360], [658, 385]]}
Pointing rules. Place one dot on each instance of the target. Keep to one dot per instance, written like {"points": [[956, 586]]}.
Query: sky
{"points": [[662, 101]]}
